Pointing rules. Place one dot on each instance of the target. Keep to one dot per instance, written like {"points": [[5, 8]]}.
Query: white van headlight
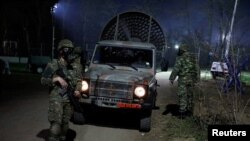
{"points": [[85, 85], [140, 91]]}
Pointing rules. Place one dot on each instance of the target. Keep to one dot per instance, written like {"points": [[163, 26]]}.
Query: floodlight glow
{"points": [[55, 6], [176, 46], [53, 9]]}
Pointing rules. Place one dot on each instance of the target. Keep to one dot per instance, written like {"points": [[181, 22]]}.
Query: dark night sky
{"points": [[171, 14], [85, 19]]}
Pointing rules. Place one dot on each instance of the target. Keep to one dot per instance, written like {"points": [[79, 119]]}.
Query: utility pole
{"points": [[53, 31], [229, 36], [52, 11]]}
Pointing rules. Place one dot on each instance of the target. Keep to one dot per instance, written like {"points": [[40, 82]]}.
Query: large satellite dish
{"points": [[134, 26]]}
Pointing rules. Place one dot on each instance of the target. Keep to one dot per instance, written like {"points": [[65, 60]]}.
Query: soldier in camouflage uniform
{"points": [[187, 71], [80, 57], [60, 109]]}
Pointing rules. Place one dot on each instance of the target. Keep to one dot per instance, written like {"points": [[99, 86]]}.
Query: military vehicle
{"points": [[122, 70]]}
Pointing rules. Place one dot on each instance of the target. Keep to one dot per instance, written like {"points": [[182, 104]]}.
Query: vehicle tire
{"points": [[78, 118], [145, 123]]}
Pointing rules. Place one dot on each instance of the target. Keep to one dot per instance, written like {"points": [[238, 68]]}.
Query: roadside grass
{"points": [[171, 128], [187, 129]]}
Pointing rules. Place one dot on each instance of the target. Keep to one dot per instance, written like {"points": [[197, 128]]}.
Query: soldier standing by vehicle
{"points": [[60, 109], [187, 71], [80, 57]]}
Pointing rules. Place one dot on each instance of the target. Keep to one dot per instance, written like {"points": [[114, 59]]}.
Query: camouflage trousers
{"points": [[59, 114], [185, 94]]}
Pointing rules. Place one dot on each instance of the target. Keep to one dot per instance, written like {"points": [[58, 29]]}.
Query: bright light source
{"points": [[176, 46], [55, 6], [85, 85], [53, 9], [140, 91]]}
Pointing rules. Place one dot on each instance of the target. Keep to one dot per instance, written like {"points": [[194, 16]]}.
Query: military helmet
{"points": [[184, 47], [65, 43]]}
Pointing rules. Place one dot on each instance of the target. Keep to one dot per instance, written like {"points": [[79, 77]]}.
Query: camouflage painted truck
{"points": [[122, 70]]}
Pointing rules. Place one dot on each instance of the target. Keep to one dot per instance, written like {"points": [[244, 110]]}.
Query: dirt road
{"points": [[23, 114]]}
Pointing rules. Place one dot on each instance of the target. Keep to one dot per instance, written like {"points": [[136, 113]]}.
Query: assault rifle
{"points": [[78, 110]]}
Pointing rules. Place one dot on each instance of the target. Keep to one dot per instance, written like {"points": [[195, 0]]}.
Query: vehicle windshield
{"points": [[123, 56]]}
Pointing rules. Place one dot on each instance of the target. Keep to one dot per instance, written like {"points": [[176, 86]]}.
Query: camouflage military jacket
{"points": [[186, 69], [75, 75]]}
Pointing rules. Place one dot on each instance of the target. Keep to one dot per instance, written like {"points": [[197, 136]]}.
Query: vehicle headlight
{"points": [[140, 91], [85, 85]]}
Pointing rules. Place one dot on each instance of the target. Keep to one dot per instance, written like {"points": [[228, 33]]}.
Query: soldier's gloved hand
{"points": [[77, 94], [61, 81]]}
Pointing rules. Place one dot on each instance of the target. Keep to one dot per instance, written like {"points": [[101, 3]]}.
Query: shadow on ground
{"points": [[113, 118], [71, 135], [172, 109]]}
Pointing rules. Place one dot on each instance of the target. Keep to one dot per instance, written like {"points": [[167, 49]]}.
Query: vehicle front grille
{"points": [[111, 89]]}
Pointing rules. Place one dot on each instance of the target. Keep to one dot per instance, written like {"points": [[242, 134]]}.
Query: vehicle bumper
{"points": [[115, 103]]}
